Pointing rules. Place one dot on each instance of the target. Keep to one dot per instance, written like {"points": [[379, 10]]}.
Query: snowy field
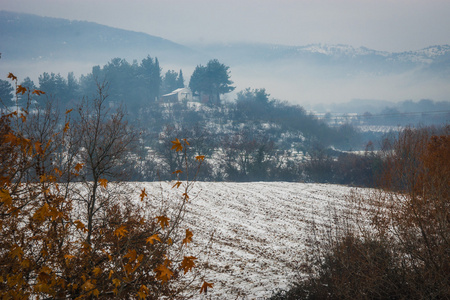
{"points": [[252, 235]]}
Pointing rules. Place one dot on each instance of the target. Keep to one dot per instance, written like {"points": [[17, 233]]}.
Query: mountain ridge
{"points": [[32, 44], [28, 36]]}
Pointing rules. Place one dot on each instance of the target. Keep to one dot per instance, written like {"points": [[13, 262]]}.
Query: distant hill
{"points": [[31, 37], [341, 57], [306, 75]]}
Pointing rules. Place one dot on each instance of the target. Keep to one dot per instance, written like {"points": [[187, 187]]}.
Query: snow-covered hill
{"points": [[258, 230]]}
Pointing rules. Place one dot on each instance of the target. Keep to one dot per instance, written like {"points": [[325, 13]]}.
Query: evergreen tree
{"points": [[29, 84], [180, 80], [212, 80], [54, 85], [6, 90], [72, 87], [170, 82], [151, 74]]}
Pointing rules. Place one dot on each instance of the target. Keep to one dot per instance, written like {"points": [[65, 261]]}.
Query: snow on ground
{"points": [[258, 229]]}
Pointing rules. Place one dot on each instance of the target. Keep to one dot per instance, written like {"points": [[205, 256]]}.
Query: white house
{"points": [[180, 94]]}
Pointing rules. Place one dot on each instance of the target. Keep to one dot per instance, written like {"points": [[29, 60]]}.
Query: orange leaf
{"points": [[69, 257], [143, 292], [143, 194], [177, 172], [78, 167], [57, 171], [87, 286], [16, 251], [163, 221], [116, 282], [66, 127], [188, 237], [153, 238], [25, 263], [177, 145], [42, 213], [79, 224], [205, 287], [131, 255], [188, 263], [5, 197], [68, 111], [103, 182], [177, 184], [11, 76], [200, 157], [21, 90], [97, 271], [38, 92], [163, 273], [37, 146], [121, 231]]}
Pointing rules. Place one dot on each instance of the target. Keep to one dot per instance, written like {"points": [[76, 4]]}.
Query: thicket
{"points": [[69, 227], [402, 252]]}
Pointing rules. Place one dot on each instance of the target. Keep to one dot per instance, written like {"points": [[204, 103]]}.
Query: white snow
{"points": [[258, 230]]}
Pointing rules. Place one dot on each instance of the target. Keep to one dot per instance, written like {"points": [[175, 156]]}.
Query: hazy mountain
{"points": [[355, 60], [307, 75], [31, 37]]}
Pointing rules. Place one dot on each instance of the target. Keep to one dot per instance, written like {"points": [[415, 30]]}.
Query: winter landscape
{"points": [[198, 149]]}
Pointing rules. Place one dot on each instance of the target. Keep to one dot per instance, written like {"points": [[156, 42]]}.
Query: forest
{"points": [[253, 137]]}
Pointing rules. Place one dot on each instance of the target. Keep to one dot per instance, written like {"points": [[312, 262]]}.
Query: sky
{"points": [[387, 25]]}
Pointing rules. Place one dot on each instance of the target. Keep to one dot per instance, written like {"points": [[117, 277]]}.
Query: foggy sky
{"points": [[389, 25]]}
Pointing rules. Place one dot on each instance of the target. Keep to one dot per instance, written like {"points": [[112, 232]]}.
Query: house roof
{"points": [[175, 92]]}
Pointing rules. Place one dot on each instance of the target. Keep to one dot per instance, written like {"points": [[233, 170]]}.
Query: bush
{"points": [[69, 228], [404, 253]]}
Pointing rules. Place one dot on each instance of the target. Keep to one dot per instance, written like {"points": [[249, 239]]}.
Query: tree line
{"points": [[254, 137]]}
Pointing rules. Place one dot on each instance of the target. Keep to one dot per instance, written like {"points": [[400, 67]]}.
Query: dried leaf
{"points": [[143, 194], [21, 90], [38, 92], [163, 273], [177, 184], [78, 167], [97, 271], [121, 231], [87, 286], [205, 287], [200, 157], [16, 251], [5, 197], [131, 255], [163, 221], [69, 257], [153, 238], [103, 182], [12, 77], [177, 145], [188, 263], [188, 237], [143, 292]]}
